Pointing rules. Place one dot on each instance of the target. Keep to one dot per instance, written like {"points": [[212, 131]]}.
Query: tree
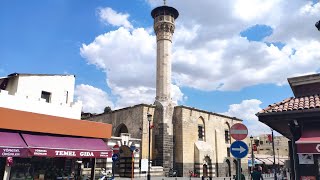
{"points": [[107, 109]]}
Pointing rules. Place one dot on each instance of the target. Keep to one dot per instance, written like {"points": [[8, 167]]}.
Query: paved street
{"points": [[265, 177]]}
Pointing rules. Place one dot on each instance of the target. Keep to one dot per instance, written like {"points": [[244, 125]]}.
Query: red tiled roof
{"points": [[294, 104]]}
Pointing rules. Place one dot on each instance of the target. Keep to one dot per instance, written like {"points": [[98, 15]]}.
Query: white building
{"points": [[40, 93]]}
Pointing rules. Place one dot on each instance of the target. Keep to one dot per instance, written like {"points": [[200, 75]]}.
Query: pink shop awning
{"points": [[62, 146], [309, 143], [12, 145]]}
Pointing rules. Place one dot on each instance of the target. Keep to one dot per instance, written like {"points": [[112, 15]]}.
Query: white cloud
{"points": [[246, 111], [109, 16], [128, 58], [208, 52], [94, 100]]}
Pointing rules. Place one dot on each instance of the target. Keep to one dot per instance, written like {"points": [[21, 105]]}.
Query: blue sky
{"points": [[230, 57]]}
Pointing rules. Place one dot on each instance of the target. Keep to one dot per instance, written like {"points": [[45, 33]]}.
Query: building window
{"points": [[261, 142], [200, 132], [228, 152], [67, 96], [46, 95], [227, 136]]}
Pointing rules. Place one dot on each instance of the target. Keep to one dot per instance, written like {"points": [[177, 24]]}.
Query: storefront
{"points": [[50, 150], [298, 119]]}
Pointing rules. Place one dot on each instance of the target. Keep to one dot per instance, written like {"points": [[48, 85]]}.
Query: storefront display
{"points": [[43, 156], [42, 168]]}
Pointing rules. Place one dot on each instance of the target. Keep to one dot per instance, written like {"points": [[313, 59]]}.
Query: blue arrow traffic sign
{"points": [[115, 157], [239, 149]]}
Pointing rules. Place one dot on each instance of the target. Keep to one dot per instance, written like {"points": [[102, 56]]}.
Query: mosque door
{"points": [[125, 162], [205, 170]]}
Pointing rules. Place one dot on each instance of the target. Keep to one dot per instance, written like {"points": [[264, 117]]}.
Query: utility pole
{"points": [[274, 156]]}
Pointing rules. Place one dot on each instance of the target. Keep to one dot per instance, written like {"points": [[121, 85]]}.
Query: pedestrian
{"points": [[256, 174], [190, 174], [242, 177]]}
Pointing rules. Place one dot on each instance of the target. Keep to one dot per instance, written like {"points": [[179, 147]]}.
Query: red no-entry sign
{"points": [[116, 149], [238, 131]]}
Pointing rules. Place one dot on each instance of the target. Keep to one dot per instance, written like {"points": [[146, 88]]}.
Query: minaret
{"points": [[164, 18]]}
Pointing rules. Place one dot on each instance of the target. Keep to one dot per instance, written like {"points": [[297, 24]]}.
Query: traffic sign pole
{"points": [[239, 169]]}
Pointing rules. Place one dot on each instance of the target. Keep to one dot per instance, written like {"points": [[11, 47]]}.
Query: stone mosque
{"points": [[183, 138]]}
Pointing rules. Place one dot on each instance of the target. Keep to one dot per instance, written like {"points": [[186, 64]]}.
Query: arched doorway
{"points": [[228, 168], [207, 167], [205, 170], [124, 167], [122, 128]]}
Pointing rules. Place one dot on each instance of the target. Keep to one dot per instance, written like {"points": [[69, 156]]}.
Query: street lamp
{"points": [[252, 154], [278, 159], [149, 116], [274, 156]]}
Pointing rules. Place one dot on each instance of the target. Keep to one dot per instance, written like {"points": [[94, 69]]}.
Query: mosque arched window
{"points": [[227, 133], [201, 129], [122, 128]]}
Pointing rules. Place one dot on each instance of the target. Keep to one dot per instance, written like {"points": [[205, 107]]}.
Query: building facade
{"points": [[264, 145], [201, 139]]}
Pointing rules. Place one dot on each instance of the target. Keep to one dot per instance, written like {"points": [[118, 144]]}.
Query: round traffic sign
{"points": [[115, 157], [116, 149], [132, 148], [239, 149], [238, 131]]}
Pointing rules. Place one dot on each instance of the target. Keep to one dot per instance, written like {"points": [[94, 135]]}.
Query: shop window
{"points": [[101, 163], [46, 95], [261, 142]]}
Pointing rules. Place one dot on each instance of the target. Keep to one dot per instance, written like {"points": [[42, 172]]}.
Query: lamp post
{"points": [[252, 154], [149, 116], [274, 156], [278, 159]]}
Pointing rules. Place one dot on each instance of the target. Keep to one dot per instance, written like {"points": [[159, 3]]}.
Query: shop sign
{"points": [[70, 153], [13, 152], [308, 148], [306, 159]]}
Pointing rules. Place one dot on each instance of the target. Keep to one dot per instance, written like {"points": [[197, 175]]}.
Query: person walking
{"points": [[242, 177], [256, 174]]}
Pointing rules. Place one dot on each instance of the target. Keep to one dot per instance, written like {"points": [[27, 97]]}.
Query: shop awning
{"points": [[12, 145], [256, 161], [309, 143], [61, 146]]}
